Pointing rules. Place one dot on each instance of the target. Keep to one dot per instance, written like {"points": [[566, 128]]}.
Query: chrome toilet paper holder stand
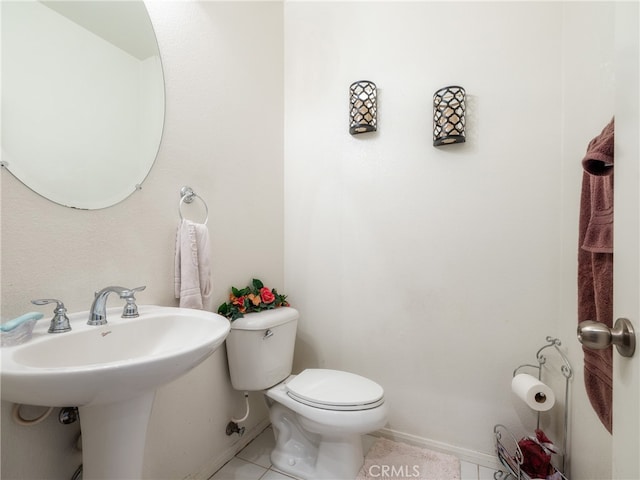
{"points": [[507, 448]]}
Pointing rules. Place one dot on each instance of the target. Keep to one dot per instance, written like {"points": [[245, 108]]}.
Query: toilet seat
{"points": [[334, 390]]}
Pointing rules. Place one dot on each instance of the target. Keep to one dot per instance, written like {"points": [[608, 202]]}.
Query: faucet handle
{"points": [[131, 309], [60, 321], [133, 290], [130, 292]]}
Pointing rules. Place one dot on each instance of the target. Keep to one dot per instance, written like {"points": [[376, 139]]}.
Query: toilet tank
{"points": [[260, 348]]}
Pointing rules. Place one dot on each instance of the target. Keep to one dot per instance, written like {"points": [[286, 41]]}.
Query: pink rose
{"points": [[239, 302], [266, 295]]}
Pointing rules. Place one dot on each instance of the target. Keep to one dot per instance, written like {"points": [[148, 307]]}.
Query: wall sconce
{"points": [[363, 107], [449, 107]]}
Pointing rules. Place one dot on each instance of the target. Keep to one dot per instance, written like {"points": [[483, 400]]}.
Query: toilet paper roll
{"points": [[533, 392]]}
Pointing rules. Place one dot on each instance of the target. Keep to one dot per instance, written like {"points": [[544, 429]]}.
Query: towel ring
{"points": [[187, 195]]}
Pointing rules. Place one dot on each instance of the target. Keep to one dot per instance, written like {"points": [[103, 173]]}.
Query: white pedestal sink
{"points": [[110, 372]]}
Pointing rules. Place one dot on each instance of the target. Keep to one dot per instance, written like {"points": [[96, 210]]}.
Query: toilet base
{"points": [[312, 456]]}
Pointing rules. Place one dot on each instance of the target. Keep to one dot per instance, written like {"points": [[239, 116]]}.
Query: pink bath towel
{"points": [[595, 265]]}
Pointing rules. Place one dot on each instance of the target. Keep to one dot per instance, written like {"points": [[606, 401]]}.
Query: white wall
{"points": [[223, 94], [433, 271], [436, 272]]}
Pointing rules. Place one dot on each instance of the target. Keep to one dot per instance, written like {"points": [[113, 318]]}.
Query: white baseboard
{"points": [[464, 454], [215, 464]]}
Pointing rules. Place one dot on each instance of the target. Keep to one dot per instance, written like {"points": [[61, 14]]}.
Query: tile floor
{"points": [[252, 463]]}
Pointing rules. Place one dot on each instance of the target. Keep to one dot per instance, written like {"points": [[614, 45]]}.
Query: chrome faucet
{"points": [[98, 312]]}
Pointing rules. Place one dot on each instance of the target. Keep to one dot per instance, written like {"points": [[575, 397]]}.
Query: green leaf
{"points": [[223, 309], [236, 292], [257, 284]]}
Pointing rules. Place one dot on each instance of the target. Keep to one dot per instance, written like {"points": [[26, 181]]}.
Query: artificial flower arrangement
{"points": [[253, 298]]}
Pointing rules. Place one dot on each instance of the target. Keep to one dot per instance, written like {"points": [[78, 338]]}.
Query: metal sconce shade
{"points": [[449, 105], [363, 107]]}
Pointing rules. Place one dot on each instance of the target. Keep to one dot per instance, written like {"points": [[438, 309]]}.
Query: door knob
{"points": [[598, 336]]}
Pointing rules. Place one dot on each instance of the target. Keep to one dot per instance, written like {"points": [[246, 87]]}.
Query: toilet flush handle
{"points": [[267, 334]]}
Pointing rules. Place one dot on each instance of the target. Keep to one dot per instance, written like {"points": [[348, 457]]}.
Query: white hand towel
{"points": [[192, 265]]}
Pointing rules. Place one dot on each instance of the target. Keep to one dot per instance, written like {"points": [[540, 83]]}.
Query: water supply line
{"points": [[77, 475], [246, 415], [232, 426]]}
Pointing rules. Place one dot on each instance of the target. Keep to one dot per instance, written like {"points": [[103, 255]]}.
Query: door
{"points": [[626, 371]]}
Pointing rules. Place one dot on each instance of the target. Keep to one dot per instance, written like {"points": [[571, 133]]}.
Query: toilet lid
{"points": [[335, 390]]}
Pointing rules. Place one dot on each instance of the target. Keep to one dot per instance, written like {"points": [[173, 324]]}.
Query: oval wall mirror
{"points": [[82, 98]]}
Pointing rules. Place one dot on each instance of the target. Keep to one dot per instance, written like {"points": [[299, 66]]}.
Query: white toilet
{"points": [[318, 416]]}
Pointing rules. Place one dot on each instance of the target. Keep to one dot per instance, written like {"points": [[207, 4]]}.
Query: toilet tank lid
{"points": [[265, 319]]}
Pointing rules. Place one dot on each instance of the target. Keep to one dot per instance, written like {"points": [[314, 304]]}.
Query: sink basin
{"points": [[111, 372], [112, 362]]}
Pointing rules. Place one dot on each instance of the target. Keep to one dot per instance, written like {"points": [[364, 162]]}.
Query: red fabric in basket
{"points": [[536, 455]]}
